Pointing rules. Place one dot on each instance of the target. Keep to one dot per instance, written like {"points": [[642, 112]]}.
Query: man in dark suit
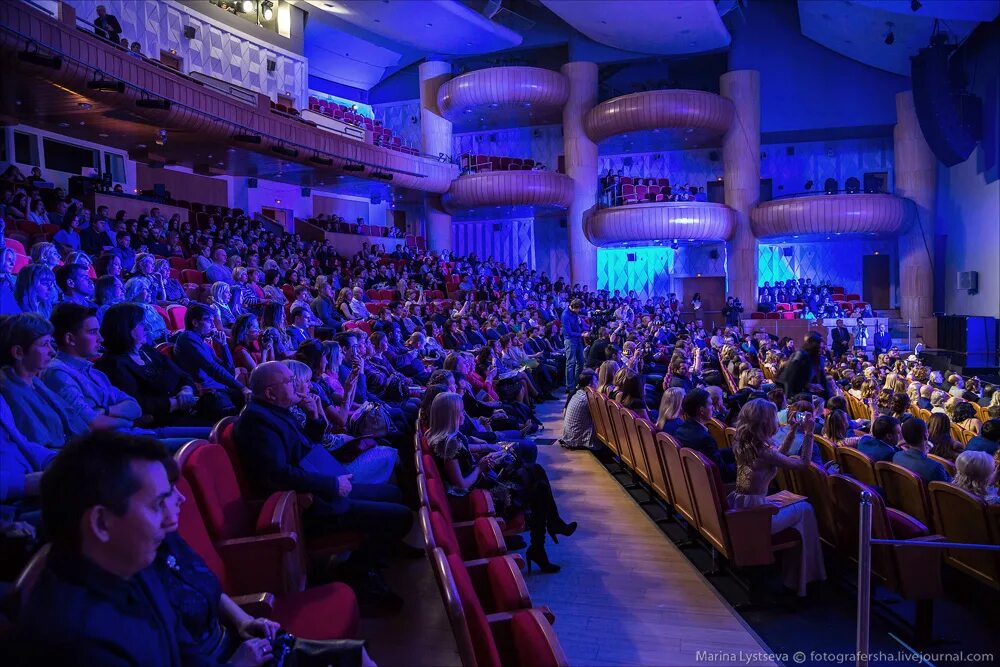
{"points": [[94, 239], [697, 411], [297, 329], [287, 458], [841, 339], [105, 504], [197, 357], [805, 372], [913, 455], [881, 445], [883, 341], [107, 26], [988, 439]]}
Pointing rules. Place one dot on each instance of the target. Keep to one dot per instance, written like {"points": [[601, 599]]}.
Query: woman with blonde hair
{"points": [[974, 471], [939, 435], [757, 462], [606, 377], [836, 428], [219, 301], [669, 417], [35, 290], [513, 484]]}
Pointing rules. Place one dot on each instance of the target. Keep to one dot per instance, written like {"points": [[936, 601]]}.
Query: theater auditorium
{"points": [[499, 333]]}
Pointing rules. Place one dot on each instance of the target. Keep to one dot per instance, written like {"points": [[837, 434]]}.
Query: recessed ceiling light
{"points": [[378, 20], [604, 22], [63, 124], [83, 105], [428, 25], [103, 135]]}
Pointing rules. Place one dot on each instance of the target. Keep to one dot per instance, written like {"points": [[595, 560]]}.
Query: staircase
{"points": [[902, 336]]}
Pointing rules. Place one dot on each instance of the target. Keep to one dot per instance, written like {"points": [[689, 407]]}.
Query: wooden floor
{"points": [[626, 595]]}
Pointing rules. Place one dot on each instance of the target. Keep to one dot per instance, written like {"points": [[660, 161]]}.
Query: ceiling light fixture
{"points": [[247, 6], [267, 10], [353, 167], [890, 36], [915, 5], [283, 150], [31, 55], [247, 138], [319, 159], [153, 103], [100, 83]]}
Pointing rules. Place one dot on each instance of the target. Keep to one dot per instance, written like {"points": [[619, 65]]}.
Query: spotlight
{"points": [[267, 10], [161, 138], [281, 150], [247, 138], [36, 58], [354, 167], [354, 107], [247, 6], [153, 103], [890, 36], [319, 159], [105, 85], [809, 185], [915, 5], [385, 176]]}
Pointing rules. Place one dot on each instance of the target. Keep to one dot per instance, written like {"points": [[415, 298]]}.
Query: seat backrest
{"points": [[632, 438], [827, 449], [718, 432], [962, 517], [846, 495], [437, 498], [857, 465], [210, 473], [609, 425], [192, 528], [175, 317], [905, 490], [475, 618], [453, 605], [223, 435], [535, 642], [621, 439], [814, 483], [443, 534], [595, 414], [27, 579], [707, 498], [670, 449], [949, 466], [657, 473]]}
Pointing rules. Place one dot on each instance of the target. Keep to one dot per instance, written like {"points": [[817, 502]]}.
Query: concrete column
{"points": [[741, 173], [435, 138], [581, 166], [916, 179]]}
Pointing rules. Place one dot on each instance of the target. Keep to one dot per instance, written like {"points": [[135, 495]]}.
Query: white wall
{"points": [[969, 216], [61, 178]]}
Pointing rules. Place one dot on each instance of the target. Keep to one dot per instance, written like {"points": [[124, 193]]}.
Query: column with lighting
{"points": [[581, 166], [435, 138], [741, 173], [916, 179]]}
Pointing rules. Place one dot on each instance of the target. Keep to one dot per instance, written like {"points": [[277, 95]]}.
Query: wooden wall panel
{"points": [[650, 223], [658, 109], [534, 87], [180, 185], [881, 214], [510, 188]]}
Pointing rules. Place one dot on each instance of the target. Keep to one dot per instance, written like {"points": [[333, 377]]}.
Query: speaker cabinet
{"points": [[950, 120]]}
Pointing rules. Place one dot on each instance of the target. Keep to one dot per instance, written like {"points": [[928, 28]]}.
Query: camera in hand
{"points": [[281, 648]]}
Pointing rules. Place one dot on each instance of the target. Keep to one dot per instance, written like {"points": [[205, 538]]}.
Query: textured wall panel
{"points": [[645, 224], [543, 143], [707, 113], [832, 214], [652, 271], [509, 188], [551, 249], [518, 87], [403, 118], [510, 241], [216, 50]]}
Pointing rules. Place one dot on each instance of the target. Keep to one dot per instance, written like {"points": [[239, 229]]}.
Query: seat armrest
{"points": [[750, 535], [257, 563], [258, 605], [305, 500], [278, 514]]}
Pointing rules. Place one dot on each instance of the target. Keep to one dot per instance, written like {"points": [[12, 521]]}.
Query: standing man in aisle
{"points": [[572, 329]]}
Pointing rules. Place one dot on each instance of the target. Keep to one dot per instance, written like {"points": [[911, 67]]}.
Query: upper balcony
{"points": [[819, 216], [534, 189], [158, 114], [683, 119], [654, 223], [503, 97]]}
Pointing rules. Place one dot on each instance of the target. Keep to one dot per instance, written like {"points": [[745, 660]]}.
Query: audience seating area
{"points": [[380, 135], [476, 163]]}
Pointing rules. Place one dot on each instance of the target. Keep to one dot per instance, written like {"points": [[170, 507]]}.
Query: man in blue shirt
{"points": [[881, 444], [988, 439], [696, 408], [914, 457], [572, 329]]}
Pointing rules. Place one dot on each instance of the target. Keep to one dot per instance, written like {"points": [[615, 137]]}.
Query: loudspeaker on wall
{"points": [[251, 182]]}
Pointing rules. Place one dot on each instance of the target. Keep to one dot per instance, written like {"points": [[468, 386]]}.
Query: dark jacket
{"points": [[272, 438], [918, 462], [875, 449], [800, 372], [841, 338], [194, 356], [326, 311], [151, 385], [980, 444], [694, 435]]}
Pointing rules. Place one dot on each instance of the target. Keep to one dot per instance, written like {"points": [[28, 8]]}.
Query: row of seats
{"points": [[490, 610], [380, 135], [479, 163], [689, 484]]}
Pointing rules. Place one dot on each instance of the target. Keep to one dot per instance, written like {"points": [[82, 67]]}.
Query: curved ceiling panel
{"points": [[647, 26], [506, 95], [659, 222], [510, 188], [693, 112], [822, 215], [432, 26]]}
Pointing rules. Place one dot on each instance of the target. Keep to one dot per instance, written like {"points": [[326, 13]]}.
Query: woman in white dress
{"points": [[757, 462]]}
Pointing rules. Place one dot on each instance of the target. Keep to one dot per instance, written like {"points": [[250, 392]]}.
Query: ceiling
{"points": [[647, 26], [859, 29]]}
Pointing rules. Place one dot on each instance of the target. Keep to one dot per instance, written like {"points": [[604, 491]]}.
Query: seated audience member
{"points": [[8, 282], [96, 238], [974, 472], [939, 435], [218, 271], [124, 252], [248, 350], [137, 291], [173, 291], [108, 291], [988, 439], [965, 417], [104, 504], [632, 393], [669, 415], [202, 352], [219, 300], [578, 423], [758, 460], [40, 414], [913, 455], [324, 307], [21, 461], [697, 410], [35, 290], [298, 329], [67, 239], [76, 284], [165, 392], [881, 445], [285, 459]]}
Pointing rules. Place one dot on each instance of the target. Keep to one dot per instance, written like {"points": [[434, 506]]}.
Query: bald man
{"points": [[287, 457]]}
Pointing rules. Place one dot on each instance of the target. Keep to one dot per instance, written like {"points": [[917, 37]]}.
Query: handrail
{"points": [[814, 193], [865, 542]]}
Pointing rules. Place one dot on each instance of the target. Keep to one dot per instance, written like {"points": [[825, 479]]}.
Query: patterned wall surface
{"points": [[510, 241], [815, 161], [215, 50], [653, 269], [551, 247], [542, 143], [403, 118], [838, 262]]}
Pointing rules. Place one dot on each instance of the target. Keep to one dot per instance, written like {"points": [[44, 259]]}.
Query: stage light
{"points": [[319, 159], [36, 58], [153, 103], [106, 86], [267, 10], [353, 167], [385, 176], [915, 5], [281, 150], [890, 36], [247, 138], [248, 6]]}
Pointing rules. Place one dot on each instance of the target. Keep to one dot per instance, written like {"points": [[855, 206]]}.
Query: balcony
{"points": [[818, 216], [536, 189], [503, 97], [654, 223], [683, 118]]}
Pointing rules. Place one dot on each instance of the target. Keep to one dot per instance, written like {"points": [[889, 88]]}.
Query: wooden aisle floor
{"points": [[626, 595]]}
